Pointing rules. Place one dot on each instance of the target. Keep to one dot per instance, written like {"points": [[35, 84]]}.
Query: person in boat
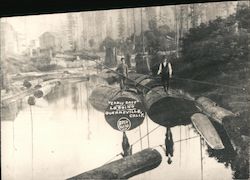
{"points": [[122, 71], [165, 69], [127, 149]]}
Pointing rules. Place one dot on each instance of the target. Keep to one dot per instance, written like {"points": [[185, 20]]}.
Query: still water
{"points": [[63, 135]]}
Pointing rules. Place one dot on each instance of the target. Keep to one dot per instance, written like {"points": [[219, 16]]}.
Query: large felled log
{"points": [[207, 130], [123, 110], [217, 113], [101, 95], [126, 167], [169, 109], [211, 109], [6, 100], [43, 91]]}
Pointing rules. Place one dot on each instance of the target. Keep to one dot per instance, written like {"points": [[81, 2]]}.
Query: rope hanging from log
{"points": [[180, 147], [201, 158], [140, 136], [177, 141], [87, 95], [13, 134], [147, 130], [32, 141]]}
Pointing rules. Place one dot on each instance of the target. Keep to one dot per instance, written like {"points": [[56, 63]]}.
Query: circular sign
{"points": [[124, 113], [123, 124]]}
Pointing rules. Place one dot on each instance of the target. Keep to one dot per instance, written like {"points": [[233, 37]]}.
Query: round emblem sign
{"points": [[123, 124], [124, 113]]}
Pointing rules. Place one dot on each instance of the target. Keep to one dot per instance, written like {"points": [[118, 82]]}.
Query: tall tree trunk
{"points": [[134, 28], [177, 31], [127, 18], [142, 34]]}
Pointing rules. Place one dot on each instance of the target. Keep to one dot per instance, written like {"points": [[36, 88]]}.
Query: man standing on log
{"points": [[165, 69], [122, 71]]}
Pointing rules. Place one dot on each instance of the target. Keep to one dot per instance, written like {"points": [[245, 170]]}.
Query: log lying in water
{"points": [[6, 100], [123, 110], [211, 109], [124, 168], [207, 131], [46, 88], [217, 113]]}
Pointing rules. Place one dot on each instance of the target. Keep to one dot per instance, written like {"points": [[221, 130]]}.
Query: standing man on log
{"points": [[165, 69], [122, 71]]}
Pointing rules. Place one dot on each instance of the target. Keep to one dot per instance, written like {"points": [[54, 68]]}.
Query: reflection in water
{"points": [[10, 112], [169, 143], [127, 149], [62, 123], [75, 97], [229, 157]]}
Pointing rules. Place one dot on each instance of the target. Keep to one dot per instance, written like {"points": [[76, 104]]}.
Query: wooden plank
{"points": [[124, 168], [207, 130]]}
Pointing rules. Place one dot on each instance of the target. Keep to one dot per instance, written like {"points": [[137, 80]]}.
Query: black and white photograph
{"points": [[140, 93]]}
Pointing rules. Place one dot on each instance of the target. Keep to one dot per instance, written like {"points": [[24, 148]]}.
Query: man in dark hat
{"points": [[165, 69]]}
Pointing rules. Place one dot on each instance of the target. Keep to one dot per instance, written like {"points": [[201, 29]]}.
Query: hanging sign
{"points": [[124, 113]]}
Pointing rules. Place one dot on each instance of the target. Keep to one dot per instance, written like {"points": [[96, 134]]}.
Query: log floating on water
{"points": [[217, 113], [45, 89], [124, 168], [207, 130], [211, 109]]}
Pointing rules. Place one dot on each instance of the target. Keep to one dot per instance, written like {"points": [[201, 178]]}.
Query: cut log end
{"points": [[38, 94], [31, 100]]}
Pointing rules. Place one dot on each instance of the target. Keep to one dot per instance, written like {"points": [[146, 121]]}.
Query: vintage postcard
{"points": [[148, 93]]}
